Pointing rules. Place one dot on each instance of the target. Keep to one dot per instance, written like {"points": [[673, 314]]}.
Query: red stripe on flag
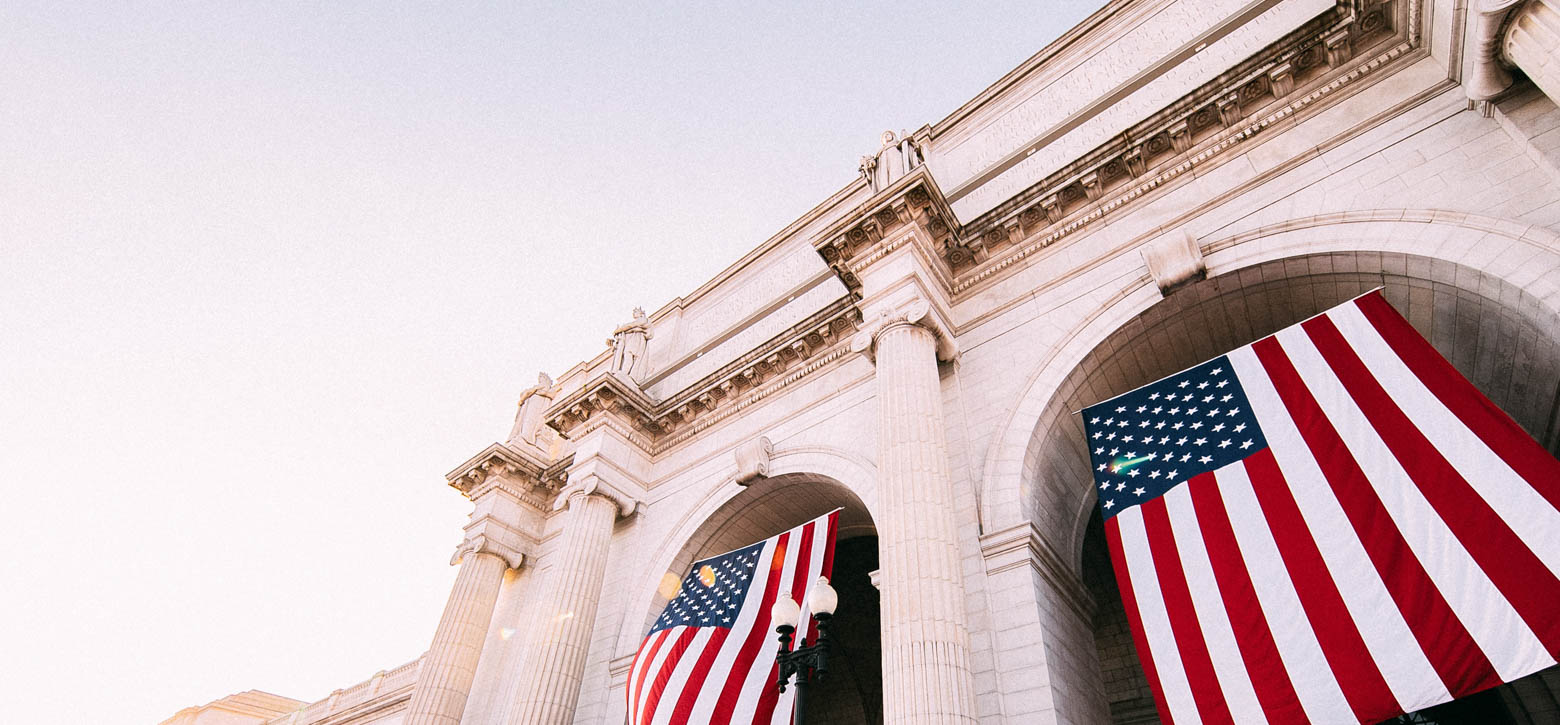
{"points": [[1357, 674], [1134, 619], [701, 671], [799, 580], [646, 656], [1269, 678], [1451, 650], [1183, 615], [1519, 574], [828, 563], [662, 676], [1483, 418], [756, 637]]}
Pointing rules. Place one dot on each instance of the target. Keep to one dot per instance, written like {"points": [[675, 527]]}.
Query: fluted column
{"points": [[550, 685], [1532, 43], [444, 681], [926, 660]]}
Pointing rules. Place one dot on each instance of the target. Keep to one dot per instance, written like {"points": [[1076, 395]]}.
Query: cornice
{"points": [[1300, 71], [512, 470], [875, 228], [606, 396], [655, 426], [1306, 67]]}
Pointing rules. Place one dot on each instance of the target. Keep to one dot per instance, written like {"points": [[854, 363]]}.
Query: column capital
{"points": [[1488, 76], [917, 311], [513, 552], [594, 485]]}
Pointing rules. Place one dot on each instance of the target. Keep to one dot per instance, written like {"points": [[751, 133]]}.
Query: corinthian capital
{"points": [[918, 312]]}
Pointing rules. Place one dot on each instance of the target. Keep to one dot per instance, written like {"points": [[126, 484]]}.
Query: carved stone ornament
{"points": [[533, 402], [481, 544], [753, 460], [1174, 260], [593, 486], [628, 342], [916, 312], [1488, 77]]}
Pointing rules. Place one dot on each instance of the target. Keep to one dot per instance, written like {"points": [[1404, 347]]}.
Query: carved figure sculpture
{"points": [[629, 341]]}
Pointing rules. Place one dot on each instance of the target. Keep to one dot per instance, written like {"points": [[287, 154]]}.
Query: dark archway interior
{"points": [[1495, 334], [852, 694]]}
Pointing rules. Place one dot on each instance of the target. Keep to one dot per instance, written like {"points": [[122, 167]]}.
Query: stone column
{"points": [[549, 686], [1532, 43], [444, 682], [926, 652]]}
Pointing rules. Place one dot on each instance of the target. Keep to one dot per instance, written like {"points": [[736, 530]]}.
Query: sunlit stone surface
{"points": [[912, 351]]}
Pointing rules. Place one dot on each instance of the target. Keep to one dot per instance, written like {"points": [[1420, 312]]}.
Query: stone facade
{"points": [[1168, 180]]}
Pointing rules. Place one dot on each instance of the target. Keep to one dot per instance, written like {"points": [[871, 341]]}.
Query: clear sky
{"points": [[269, 271]]}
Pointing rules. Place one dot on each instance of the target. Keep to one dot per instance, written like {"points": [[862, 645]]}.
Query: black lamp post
{"points": [[804, 661]]}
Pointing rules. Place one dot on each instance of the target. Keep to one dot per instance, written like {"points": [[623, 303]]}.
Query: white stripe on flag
{"points": [[747, 704], [1522, 507], [654, 671], [1313, 679], [809, 575], [1156, 620], [740, 630], [1392, 645], [680, 673], [1493, 623], [1234, 679], [636, 675]]}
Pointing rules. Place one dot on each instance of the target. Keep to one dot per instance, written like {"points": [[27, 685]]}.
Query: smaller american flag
{"points": [[710, 656]]}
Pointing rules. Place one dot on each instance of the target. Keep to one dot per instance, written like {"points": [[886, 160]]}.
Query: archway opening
{"points": [[1497, 335], [853, 691]]}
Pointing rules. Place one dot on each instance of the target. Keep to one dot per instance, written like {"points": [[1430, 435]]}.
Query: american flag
{"points": [[710, 657], [1328, 525]]}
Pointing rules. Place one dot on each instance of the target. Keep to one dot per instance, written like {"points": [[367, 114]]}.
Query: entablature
{"points": [[655, 426], [1302, 69]]}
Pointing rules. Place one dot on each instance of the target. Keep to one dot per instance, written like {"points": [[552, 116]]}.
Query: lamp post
{"points": [[804, 661]]}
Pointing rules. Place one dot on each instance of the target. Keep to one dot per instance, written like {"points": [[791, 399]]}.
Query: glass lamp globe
{"points": [[785, 612], [823, 598]]}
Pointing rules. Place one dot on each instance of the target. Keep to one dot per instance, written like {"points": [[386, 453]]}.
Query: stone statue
{"points": [[629, 341], [528, 418], [897, 156]]}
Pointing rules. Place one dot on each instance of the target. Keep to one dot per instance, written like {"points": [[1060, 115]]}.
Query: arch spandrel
{"points": [[1422, 256]]}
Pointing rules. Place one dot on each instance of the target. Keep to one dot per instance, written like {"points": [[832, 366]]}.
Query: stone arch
{"points": [[1509, 263], [849, 481], [1482, 291], [804, 482]]}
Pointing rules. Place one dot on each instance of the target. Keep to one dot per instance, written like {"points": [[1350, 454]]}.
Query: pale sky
{"points": [[269, 271]]}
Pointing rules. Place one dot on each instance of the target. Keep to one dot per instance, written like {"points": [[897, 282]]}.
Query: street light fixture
{"points": [[804, 661]]}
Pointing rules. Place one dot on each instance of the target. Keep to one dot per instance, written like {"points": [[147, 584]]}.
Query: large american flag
{"points": [[710, 657], [1328, 525]]}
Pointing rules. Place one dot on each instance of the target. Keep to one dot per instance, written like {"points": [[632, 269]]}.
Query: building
{"points": [[1168, 180]]}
